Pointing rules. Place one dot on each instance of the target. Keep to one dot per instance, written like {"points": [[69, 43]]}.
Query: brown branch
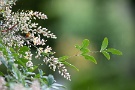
{"points": [[9, 28]]}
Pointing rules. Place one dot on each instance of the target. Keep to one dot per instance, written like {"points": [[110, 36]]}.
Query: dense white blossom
{"points": [[18, 30]]}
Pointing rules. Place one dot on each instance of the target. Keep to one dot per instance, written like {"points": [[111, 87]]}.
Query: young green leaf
{"points": [[21, 61], [106, 54], [85, 43], [114, 51], [63, 58], [24, 48], [78, 47], [85, 50], [104, 44], [68, 64], [91, 58], [1, 74]]}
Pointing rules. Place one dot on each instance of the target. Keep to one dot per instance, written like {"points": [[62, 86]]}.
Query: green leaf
{"points": [[50, 80], [104, 44], [23, 49], [68, 64], [30, 73], [41, 72], [12, 50], [114, 51], [85, 50], [63, 58], [85, 43], [91, 58], [4, 61], [37, 76], [78, 47], [20, 63], [1, 74], [23, 60], [106, 54]]}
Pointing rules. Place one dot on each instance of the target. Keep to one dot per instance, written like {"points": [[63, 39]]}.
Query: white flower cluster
{"points": [[55, 63], [17, 30]]}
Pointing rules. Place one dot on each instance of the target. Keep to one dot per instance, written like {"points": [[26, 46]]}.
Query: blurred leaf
{"points": [[91, 58], [12, 50], [114, 51], [30, 73], [55, 87], [2, 59], [32, 69], [68, 64], [1, 74], [78, 47], [21, 61], [23, 49], [85, 43], [16, 56], [58, 85], [106, 54], [37, 76], [50, 80], [85, 50], [63, 58], [15, 72], [104, 44], [41, 72]]}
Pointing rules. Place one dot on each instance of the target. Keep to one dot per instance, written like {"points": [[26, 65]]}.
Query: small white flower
{"points": [[47, 49], [28, 55], [29, 64]]}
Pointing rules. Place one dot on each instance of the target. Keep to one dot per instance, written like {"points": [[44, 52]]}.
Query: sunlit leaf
{"points": [[63, 58], [85, 43], [104, 44], [91, 58], [12, 50], [85, 50], [68, 64], [37, 76], [78, 47], [114, 51], [23, 49], [106, 54], [21, 61]]}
